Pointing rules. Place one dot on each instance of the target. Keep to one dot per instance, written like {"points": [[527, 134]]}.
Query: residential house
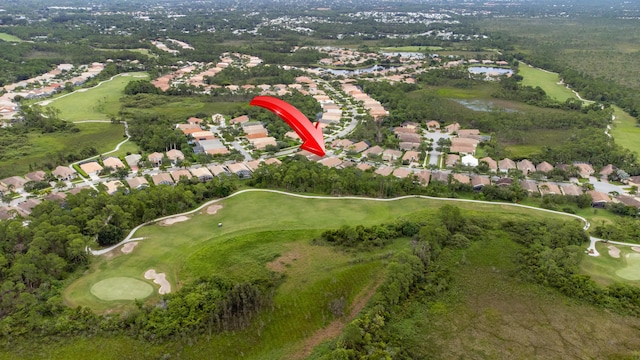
{"points": [[188, 129], [113, 162], [217, 118], [628, 200], [375, 151], [607, 170], [469, 160], [452, 128], [633, 181], [241, 170], [239, 120], [113, 186], [341, 143], [162, 179], [202, 135], [359, 147], [64, 173], [452, 159], [202, 173], [133, 160], [91, 168], [505, 181], [384, 171], [506, 164], [401, 173], [408, 146], [410, 156], [423, 177], [155, 158], [58, 197], [544, 167], [330, 161], [262, 143], [464, 145], [254, 164], [478, 182], [194, 121], [38, 175], [530, 186], [363, 166], [440, 176], [138, 182], [177, 175], [469, 133], [217, 170], [409, 137], [598, 199], [391, 155], [571, 189], [549, 189], [433, 125], [493, 165], [585, 170], [212, 147], [526, 166], [27, 206], [175, 155], [461, 178], [273, 161], [255, 132]]}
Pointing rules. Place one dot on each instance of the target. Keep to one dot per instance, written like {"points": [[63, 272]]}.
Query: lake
{"points": [[487, 70]]}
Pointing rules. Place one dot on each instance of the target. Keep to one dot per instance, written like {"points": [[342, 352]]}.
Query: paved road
{"points": [[435, 136]]}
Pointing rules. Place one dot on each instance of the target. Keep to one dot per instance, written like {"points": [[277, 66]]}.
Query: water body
{"points": [[487, 70], [354, 72], [482, 105]]}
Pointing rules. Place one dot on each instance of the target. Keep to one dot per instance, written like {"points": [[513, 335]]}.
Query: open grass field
{"points": [[625, 131], [273, 231], [9, 38], [97, 103], [40, 148], [606, 270], [411, 48], [548, 81], [184, 107], [488, 313]]}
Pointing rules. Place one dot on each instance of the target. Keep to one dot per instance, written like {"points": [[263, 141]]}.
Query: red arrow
{"points": [[312, 138]]}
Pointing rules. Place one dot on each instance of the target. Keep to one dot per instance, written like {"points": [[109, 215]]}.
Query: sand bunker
{"points": [[160, 279], [636, 248], [211, 210], [173, 220], [128, 247], [614, 252]]}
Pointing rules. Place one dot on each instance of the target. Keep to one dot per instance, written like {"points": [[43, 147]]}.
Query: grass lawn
{"points": [[411, 48], [263, 230], [9, 38], [186, 106], [625, 132], [534, 142], [42, 148], [97, 103], [548, 81], [488, 313]]}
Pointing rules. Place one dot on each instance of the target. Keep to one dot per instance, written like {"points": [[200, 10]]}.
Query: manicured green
{"points": [[606, 270], [42, 148], [625, 130], [121, 288], [9, 38], [97, 103], [548, 81]]}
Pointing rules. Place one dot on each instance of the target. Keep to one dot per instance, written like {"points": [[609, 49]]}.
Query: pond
{"points": [[489, 70], [482, 105], [406, 54]]}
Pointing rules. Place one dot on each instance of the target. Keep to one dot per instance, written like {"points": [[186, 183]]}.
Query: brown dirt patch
{"points": [[335, 327], [173, 220], [128, 247], [280, 264], [213, 209], [614, 252]]}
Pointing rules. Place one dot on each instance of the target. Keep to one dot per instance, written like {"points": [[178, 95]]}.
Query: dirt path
{"points": [[335, 327]]}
